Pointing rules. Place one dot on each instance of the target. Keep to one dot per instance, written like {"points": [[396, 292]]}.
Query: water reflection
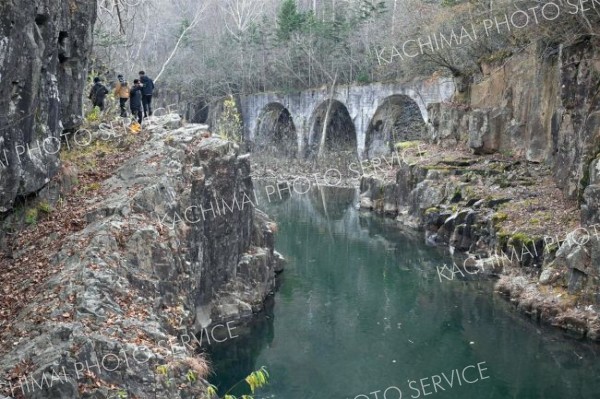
{"points": [[332, 202], [361, 309]]}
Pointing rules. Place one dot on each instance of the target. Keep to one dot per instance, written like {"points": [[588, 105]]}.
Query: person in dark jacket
{"points": [[98, 93], [147, 90], [135, 100]]}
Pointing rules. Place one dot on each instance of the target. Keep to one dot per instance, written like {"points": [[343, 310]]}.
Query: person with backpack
{"points": [[122, 93], [147, 90], [98, 93], [135, 100]]}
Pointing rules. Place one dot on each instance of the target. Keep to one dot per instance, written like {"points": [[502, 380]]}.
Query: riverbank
{"points": [[510, 220], [500, 216]]}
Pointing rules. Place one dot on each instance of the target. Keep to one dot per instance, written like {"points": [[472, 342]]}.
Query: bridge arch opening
{"points": [[275, 131], [398, 118], [340, 132]]}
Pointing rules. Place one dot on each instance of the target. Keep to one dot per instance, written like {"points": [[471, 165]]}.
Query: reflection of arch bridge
{"points": [[356, 116]]}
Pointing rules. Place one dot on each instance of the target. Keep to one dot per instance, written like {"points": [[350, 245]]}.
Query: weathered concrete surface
{"points": [[44, 49], [362, 102], [149, 266]]}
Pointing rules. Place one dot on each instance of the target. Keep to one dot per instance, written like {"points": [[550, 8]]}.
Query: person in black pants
{"points": [[147, 90], [135, 100], [122, 93], [98, 93]]}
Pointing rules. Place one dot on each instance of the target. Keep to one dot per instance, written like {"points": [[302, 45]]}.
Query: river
{"points": [[361, 313]]}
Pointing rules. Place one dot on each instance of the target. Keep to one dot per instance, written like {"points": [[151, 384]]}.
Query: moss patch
{"points": [[521, 239], [499, 217], [429, 211], [31, 216], [404, 145]]}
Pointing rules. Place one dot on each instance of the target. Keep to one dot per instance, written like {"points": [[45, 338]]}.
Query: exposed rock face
{"points": [[542, 105], [495, 211], [448, 122], [590, 209], [153, 263], [44, 48], [513, 106], [576, 125]]}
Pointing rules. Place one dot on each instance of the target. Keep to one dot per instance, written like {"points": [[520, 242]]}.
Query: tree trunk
{"points": [[326, 122]]}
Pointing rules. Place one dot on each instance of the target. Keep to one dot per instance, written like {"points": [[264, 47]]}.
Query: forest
{"points": [[219, 47]]}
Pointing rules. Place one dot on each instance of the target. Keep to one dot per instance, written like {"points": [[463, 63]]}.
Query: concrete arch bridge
{"points": [[362, 120]]}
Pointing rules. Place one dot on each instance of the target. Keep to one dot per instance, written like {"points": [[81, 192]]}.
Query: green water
{"points": [[360, 308]]}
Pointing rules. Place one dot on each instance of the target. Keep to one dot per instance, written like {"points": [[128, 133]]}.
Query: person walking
{"points": [[122, 93], [135, 100], [147, 90], [98, 93]]}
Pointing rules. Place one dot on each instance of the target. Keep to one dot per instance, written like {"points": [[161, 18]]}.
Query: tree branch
{"points": [[185, 31]]}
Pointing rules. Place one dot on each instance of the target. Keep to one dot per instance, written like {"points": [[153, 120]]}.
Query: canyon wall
{"points": [[172, 246], [44, 50], [542, 105]]}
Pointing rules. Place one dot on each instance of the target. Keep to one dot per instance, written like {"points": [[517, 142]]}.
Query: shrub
{"points": [[229, 124], [31, 216], [93, 115], [44, 207]]}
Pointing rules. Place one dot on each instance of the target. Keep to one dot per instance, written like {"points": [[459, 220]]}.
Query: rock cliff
{"points": [[173, 245], [44, 49], [542, 105]]}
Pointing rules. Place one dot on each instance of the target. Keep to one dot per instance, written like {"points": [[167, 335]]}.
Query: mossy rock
{"points": [[521, 239], [499, 217], [470, 192], [551, 249], [503, 238], [440, 168], [44, 207], [404, 145], [31, 216]]}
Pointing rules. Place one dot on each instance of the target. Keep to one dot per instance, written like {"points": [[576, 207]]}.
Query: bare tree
{"points": [[189, 26], [240, 14], [236, 47]]}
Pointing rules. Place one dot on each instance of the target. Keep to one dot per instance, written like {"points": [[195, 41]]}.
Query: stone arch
{"points": [[398, 118], [340, 132], [275, 131]]}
